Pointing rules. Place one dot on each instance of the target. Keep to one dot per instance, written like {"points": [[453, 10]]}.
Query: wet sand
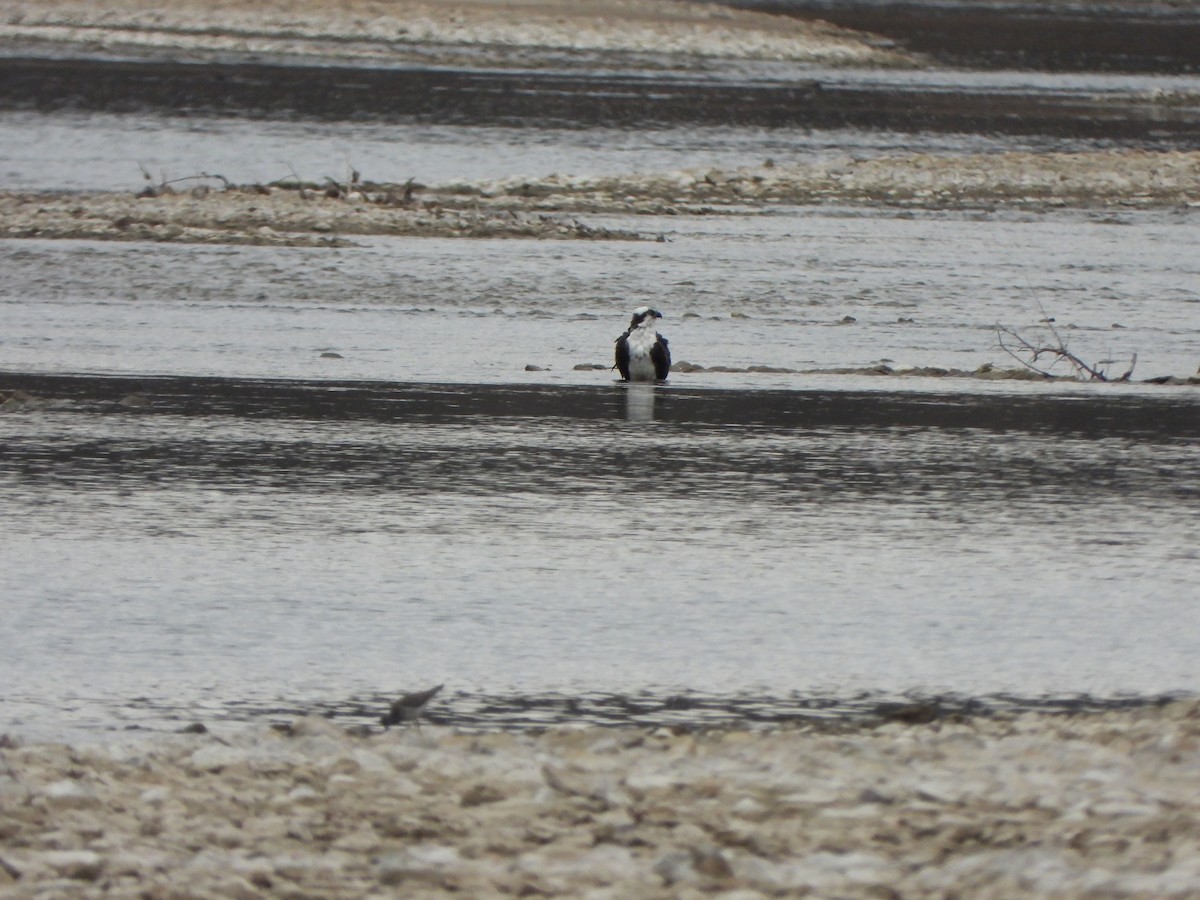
{"points": [[1063, 806]]}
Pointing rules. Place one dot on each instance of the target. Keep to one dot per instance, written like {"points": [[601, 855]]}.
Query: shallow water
{"points": [[106, 151], [772, 290], [240, 547]]}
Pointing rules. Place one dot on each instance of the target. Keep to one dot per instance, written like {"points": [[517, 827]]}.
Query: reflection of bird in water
{"points": [[642, 353], [639, 402], [409, 707]]}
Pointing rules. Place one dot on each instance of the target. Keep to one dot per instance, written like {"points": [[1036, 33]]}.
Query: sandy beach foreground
{"points": [[1104, 804]]}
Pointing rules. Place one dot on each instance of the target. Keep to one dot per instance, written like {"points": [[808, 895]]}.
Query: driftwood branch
{"points": [[165, 185], [201, 176], [1042, 356]]}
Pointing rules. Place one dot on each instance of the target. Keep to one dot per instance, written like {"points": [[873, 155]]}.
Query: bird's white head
{"points": [[644, 315]]}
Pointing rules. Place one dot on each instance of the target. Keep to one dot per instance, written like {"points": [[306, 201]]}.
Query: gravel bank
{"points": [[1099, 179], [463, 32], [205, 210], [261, 215], [1095, 805]]}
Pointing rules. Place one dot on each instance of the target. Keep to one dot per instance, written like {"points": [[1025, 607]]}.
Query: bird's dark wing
{"points": [[660, 354], [622, 361], [420, 698], [409, 706]]}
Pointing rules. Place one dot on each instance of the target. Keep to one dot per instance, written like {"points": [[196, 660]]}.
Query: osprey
{"points": [[642, 353]]}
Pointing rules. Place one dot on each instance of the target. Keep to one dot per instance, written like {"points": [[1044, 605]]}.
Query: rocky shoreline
{"points": [[261, 215], [1016, 180], [1025, 805], [206, 209]]}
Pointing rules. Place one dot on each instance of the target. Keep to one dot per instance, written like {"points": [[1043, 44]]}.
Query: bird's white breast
{"points": [[641, 341]]}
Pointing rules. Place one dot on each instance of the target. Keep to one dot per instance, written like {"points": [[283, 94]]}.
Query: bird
{"points": [[409, 707], [642, 353]]}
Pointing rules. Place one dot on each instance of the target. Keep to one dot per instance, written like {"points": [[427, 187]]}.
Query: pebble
{"points": [[82, 865], [69, 794]]}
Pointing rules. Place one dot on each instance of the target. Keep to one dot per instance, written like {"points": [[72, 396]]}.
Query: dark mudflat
{"points": [[1169, 416], [1046, 36], [540, 99]]}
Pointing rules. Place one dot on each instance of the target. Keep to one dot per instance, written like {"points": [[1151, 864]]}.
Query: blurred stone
{"points": [[67, 794], [81, 865]]}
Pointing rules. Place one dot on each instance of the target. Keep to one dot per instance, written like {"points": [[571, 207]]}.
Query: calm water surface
{"points": [[777, 290], [241, 547]]}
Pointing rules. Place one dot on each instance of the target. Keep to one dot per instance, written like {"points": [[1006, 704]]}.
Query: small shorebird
{"points": [[409, 707], [642, 353]]}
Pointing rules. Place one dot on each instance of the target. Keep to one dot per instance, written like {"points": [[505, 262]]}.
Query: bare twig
{"points": [[292, 174], [1031, 355], [1129, 372], [1025, 353], [225, 182]]}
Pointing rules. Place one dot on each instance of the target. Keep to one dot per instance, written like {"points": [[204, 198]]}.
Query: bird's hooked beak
{"points": [[644, 315]]}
